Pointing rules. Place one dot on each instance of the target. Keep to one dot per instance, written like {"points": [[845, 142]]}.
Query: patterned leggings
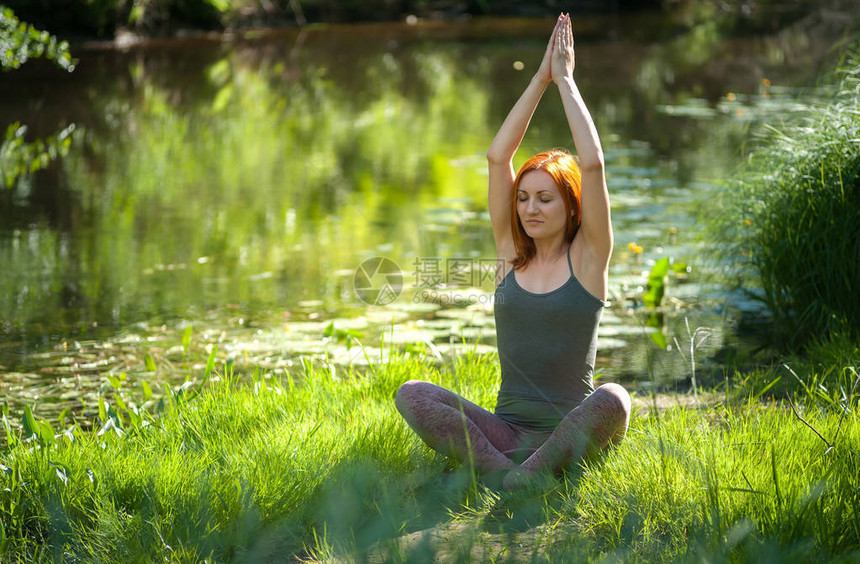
{"points": [[460, 429]]}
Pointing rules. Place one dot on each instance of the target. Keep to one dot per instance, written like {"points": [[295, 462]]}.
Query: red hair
{"points": [[563, 168]]}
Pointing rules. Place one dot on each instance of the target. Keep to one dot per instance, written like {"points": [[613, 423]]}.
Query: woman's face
{"points": [[540, 206]]}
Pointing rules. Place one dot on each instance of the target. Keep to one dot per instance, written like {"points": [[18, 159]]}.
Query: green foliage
{"points": [[18, 157], [652, 298], [20, 41], [794, 212], [103, 17], [655, 289], [824, 375]]}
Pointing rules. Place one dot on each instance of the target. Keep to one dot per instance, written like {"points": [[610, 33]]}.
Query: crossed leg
{"points": [[460, 429], [600, 420], [456, 427]]}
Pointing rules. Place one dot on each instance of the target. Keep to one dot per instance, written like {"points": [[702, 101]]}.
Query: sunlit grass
{"points": [[319, 463]]}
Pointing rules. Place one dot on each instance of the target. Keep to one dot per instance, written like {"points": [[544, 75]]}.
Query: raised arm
{"points": [[501, 153], [596, 227]]}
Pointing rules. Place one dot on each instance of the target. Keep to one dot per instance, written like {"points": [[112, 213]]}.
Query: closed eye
{"points": [[543, 201]]}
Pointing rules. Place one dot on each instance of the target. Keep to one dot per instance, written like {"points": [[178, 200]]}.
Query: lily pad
{"points": [[618, 330], [610, 344], [402, 335], [415, 308], [467, 316], [304, 347]]}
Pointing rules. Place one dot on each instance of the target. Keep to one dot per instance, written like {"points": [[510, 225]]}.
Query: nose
{"points": [[531, 208]]}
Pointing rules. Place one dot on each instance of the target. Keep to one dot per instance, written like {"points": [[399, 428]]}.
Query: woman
{"points": [[552, 230]]}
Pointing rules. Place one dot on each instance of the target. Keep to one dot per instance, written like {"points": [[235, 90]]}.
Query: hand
{"points": [[544, 72], [563, 60]]}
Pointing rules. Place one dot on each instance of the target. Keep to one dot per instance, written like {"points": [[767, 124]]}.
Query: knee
{"points": [[617, 399], [407, 395]]}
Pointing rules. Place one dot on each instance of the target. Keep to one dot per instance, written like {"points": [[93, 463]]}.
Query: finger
{"points": [[553, 35], [568, 32]]}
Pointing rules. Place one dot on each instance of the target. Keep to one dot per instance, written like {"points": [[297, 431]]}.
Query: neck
{"points": [[549, 251]]}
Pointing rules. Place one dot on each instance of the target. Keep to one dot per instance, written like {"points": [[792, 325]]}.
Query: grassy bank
{"points": [[790, 218], [155, 17], [103, 17], [319, 464]]}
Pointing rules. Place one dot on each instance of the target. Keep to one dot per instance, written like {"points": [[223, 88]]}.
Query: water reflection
{"points": [[236, 185]]}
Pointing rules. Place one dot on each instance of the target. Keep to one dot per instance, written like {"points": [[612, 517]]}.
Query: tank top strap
{"points": [[569, 265]]}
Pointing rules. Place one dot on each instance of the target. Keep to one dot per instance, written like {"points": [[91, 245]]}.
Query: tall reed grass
{"points": [[317, 464], [793, 213]]}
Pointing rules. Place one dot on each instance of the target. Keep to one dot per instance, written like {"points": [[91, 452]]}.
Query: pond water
{"points": [[227, 190]]}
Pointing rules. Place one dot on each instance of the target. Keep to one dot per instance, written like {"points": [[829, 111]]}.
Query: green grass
{"points": [[320, 464], [793, 211]]}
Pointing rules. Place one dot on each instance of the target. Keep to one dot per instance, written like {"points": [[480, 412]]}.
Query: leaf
{"points": [[112, 414], [150, 363], [10, 436], [655, 321], [186, 339], [222, 98], [112, 424], [63, 415], [114, 382], [105, 428], [147, 389], [69, 435], [329, 330], [31, 430], [656, 287], [659, 270], [659, 339], [120, 404], [46, 432], [210, 363], [62, 472], [342, 335], [102, 410], [134, 417]]}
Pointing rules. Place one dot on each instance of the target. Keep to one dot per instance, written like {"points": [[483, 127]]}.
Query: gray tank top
{"points": [[547, 345]]}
